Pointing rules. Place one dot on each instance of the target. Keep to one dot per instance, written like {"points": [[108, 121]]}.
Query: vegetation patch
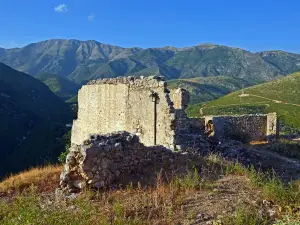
{"points": [[233, 195], [43, 178], [59, 85], [203, 89]]}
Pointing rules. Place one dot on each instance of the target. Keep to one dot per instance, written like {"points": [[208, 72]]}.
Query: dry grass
{"points": [[44, 179], [177, 201], [190, 198], [258, 142]]}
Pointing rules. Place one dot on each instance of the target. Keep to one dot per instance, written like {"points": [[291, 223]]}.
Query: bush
{"points": [[247, 215], [67, 141]]}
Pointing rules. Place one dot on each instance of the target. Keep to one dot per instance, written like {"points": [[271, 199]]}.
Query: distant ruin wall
{"points": [[141, 106], [180, 99], [246, 128]]}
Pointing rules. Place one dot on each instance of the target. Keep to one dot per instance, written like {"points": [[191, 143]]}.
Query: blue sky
{"points": [[255, 25]]}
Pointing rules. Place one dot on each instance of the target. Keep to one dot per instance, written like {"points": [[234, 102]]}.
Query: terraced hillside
{"points": [[281, 95]]}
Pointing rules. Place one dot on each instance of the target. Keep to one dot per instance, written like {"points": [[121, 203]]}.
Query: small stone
{"points": [[161, 84], [272, 212], [64, 176], [72, 196], [79, 184]]}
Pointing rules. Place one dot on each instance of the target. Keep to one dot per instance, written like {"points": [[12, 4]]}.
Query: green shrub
{"points": [[191, 181], [67, 141], [246, 215]]}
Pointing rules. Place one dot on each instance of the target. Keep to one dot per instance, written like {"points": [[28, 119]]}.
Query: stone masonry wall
{"points": [[180, 99], [245, 127], [103, 158], [272, 126], [126, 104]]}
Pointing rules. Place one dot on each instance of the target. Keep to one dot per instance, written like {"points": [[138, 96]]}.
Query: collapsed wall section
{"points": [[104, 158]]}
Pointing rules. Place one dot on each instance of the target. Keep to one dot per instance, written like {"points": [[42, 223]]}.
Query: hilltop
{"points": [[281, 95], [31, 118]]}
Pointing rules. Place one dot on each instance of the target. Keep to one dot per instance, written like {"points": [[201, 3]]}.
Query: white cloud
{"points": [[61, 8], [91, 17]]}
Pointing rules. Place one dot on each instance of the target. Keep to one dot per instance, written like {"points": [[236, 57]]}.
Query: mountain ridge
{"points": [[81, 61]]}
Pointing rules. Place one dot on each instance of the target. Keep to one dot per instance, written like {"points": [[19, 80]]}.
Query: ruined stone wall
{"points": [[245, 128], [102, 159], [272, 126], [180, 99], [126, 104]]}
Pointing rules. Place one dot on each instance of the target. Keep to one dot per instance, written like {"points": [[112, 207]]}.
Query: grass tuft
{"points": [[247, 215], [44, 178]]}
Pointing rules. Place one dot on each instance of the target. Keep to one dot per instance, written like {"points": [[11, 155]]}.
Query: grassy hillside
{"points": [[281, 96], [59, 85], [32, 120], [189, 198], [73, 99]]}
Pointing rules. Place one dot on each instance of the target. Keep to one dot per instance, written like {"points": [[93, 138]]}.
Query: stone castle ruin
{"points": [[140, 106], [127, 123], [123, 125]]}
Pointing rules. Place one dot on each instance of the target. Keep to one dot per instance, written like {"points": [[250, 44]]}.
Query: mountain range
{"points": [[80, 61]]}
